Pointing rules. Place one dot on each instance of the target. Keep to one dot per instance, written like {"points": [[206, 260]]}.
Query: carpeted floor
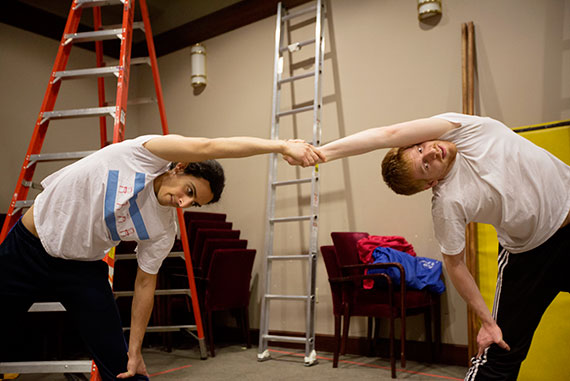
{"points": [[234, 362]]}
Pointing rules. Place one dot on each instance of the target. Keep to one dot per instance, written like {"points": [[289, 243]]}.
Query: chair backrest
{"points": [[229, 277], [204, 234], [212, 244], [345, 246], [333, 271], [192, 216], [126, 247], [193, 226]]}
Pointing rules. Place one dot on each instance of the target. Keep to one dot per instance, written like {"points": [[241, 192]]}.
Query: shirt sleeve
{"points": [[150, 254], [449, 223]]}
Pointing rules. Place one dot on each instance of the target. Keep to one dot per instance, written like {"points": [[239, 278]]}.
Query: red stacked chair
{"points": [[222, 267]]}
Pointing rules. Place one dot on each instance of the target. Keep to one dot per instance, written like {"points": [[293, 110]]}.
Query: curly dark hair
{"points": [[210, 170]]}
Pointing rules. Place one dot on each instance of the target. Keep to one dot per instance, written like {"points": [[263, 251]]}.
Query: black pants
{"points": [[527, 283], [29, 274]]}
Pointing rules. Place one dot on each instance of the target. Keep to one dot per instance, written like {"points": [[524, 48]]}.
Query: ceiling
{"points": [[176, 24]]}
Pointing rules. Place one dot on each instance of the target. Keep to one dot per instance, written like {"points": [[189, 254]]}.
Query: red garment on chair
{"points": [[367, 245]]}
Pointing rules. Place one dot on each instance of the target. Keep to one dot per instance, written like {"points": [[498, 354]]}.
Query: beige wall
{"points": [[381, 66]]}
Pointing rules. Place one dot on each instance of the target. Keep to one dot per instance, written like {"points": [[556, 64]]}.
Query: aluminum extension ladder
{"points": [[283, 17], [34, 156]]}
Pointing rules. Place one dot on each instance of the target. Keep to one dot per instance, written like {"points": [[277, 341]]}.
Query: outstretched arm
{"points": [[143, 301], [186, 150], [465, 284], [395, 135]]}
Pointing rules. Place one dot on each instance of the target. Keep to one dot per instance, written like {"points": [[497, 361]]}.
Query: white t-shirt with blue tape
{"points": [[89, 206]]}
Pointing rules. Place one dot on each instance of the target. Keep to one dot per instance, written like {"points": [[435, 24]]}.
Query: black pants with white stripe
{"points": [[526, 285]]}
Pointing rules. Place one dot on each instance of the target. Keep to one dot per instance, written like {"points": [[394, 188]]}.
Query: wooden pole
{"points": [[464, 65], [468, 84]]}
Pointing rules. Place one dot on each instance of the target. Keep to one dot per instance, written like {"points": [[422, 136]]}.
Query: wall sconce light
{"points": [[428, 8], [198, 54]]}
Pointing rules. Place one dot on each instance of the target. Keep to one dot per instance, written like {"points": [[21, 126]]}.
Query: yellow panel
{"points": [[548, 358]]}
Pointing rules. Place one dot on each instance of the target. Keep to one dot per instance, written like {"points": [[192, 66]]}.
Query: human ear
{"points": [[431, 184], [180, 167]]}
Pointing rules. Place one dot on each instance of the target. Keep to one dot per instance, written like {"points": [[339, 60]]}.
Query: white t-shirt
{"points": [[89, 206], [502, 179]]}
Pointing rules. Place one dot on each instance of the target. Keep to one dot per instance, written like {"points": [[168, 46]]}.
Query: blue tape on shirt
{"points": [[110, 195], [134, 208]]}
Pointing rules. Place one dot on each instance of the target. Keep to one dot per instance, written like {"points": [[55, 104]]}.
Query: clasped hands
{"points": [[299, 152]]}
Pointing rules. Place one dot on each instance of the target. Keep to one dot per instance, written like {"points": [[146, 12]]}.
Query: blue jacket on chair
{"points": [[420, 272]]}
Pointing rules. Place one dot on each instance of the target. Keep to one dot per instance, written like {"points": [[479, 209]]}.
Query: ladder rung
{"points": [[179, 291], [24, 204], [296, 45], [289, 219], [79, 113], [141, 101], [287, 257], [167, 328], [77, 366], [173, 254], [288, 297], [96, 3], [136, 25], [96, 35], [291, 182], [44, 157], [300, 12], [47, 307], [295, 111], [297, 77], [134, 61], [85, 73], [292, 339], [31, 184]]}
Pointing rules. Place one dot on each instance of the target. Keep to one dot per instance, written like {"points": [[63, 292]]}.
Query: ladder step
{"points": [[96, 35], [180, 291], [33, 185], [291, 182], [44, 157], [134, 61], [141, 101], [86, 73], [78, 366], [287, 257], [79, 113], [294, 111], [299, 12], [136, 25], [96, 3], [100, 35], [297, 77], [47, 307], [291, 339], [167, 328], [24, 204], [289, 219], [173, 254], [296, 45], [288, 297]]}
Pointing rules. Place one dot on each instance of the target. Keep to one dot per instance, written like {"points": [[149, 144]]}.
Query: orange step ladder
{"points": [[117, 112]]}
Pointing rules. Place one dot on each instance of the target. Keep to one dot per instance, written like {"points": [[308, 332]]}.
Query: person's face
{"points": [[431, 160], [180, 190]]}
